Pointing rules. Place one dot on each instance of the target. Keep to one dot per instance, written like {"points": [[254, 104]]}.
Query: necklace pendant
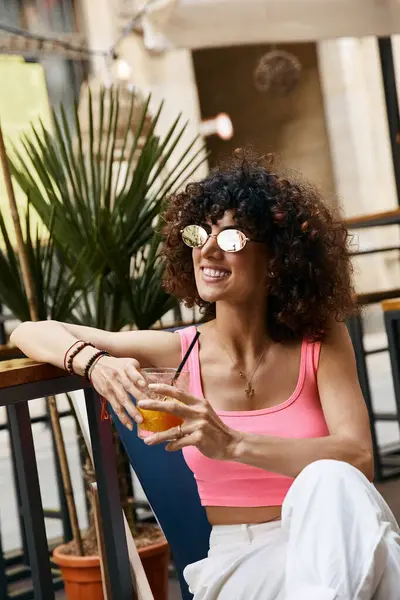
{"points": [[241, 375], [249, 391]]}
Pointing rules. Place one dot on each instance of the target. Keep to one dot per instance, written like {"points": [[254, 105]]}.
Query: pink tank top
{"points": [[228, 483]]}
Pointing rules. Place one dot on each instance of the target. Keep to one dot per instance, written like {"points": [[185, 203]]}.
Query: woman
{"points": [[275, 428]]}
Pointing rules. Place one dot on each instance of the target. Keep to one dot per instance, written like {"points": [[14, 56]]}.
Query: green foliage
{"points": [[99, 195]]}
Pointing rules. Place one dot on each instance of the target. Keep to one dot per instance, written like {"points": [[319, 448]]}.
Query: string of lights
{"points": [[27, 42]]}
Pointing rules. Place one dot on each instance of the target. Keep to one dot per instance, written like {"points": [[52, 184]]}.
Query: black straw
{"points": [[184, 359]]}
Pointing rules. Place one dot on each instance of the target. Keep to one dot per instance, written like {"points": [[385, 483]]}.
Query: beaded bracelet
{"points": [[69, 350], [93, 366], [92, 359], [74, 353]]}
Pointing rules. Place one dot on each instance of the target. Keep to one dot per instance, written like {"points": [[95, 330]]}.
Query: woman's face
{"points": [[235, 277]]}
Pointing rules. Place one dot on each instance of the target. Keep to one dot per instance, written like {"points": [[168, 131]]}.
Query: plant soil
{"points": [[145, 535]]}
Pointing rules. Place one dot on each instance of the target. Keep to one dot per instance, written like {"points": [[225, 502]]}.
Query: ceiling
{"points": [[207, 23]]}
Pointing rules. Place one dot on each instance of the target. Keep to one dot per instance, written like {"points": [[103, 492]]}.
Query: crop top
{"points": [[228, 483]]}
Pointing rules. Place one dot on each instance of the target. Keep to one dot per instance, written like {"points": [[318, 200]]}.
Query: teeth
{"points": [[215, 273]]}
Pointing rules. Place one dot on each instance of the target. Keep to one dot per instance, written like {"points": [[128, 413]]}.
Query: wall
{"points": [[293, 126]]}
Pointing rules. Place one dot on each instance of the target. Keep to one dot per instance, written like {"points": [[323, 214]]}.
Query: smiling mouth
{"points": [[214, 274]]}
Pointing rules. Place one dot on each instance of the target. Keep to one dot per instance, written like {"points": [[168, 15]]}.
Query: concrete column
{"points": [[169, 77], [360, 148], [99, 20]]}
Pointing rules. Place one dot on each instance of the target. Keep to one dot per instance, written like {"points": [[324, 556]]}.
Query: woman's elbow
{"points": [[23, 331], [365, 463]]}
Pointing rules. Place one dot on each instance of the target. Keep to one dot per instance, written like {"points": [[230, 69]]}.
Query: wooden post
{"points": [[33, 311], [22, 255], [105, 578]]}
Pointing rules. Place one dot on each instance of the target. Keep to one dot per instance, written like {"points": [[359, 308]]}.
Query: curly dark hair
{"points": [[309, 266]]}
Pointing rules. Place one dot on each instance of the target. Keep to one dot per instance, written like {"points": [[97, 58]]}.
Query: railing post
{"points": [[392, 105], [110, 506], [31, 501], [18, 496], [3, 578], [66, 522], [356, 332]]}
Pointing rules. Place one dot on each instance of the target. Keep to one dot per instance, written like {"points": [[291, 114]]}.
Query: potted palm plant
{"points": [[98, 186]]}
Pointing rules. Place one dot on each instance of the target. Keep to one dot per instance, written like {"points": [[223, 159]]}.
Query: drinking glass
{"points": [[155, 420]]}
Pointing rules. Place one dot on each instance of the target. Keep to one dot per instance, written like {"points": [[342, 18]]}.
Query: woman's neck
{"points": [[242, 333]]}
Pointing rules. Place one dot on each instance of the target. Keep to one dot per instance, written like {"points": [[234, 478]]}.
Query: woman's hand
{"points": [[201, 426], [116, 378]]}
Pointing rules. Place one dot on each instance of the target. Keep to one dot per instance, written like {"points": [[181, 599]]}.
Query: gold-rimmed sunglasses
{"points": [[229, 240]]}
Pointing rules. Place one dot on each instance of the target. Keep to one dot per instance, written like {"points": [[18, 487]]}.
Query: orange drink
{"points": [[155, 420]]}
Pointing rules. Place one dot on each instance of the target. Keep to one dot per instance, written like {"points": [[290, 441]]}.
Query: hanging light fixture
{"points": [[277, 72], [221, 125]]}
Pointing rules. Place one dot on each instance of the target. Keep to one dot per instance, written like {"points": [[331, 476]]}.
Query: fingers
{"points": [[187, 440], [174, 392], [122, 403], [134, 376], [169, 406], [125, 401], [119, 410], [174, 433], [130, 387]]}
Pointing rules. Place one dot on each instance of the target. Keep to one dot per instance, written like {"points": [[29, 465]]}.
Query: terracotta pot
{"points": [[82, 574], [155, 561]]}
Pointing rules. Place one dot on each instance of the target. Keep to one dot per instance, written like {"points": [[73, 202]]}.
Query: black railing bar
{"points": [[375, 250], [116, 548], [3, 580], [14, 557], [22, 439], [392, 104], [356, 331], [390, 473], [376, 351], [28, 593], [18, 572], [18, 499], [39, 389], [390, 462], [41, 419], [386, 417]]}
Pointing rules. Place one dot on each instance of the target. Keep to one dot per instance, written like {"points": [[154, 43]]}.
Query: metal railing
{"points": [[386, 458], [22, 380]]}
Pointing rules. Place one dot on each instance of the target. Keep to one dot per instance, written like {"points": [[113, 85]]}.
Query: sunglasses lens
{"points": [[231, 240], [194, 236]]}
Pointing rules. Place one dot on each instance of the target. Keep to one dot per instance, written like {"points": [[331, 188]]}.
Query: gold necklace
{"points": [[249, 391]]}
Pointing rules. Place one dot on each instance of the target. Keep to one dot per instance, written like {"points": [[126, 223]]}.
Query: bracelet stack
{"points": [[77, 347], [92, 360], [80, 345]]}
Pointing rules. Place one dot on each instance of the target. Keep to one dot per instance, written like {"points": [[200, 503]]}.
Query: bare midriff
{"points": [[236, 515]]}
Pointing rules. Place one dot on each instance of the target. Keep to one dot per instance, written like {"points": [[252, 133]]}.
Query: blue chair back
{"points": [[172, 493]]}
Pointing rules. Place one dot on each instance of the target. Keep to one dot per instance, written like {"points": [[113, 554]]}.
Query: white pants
{"points": [[338, 540]]}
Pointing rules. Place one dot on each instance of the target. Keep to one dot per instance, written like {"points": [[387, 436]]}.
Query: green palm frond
{"points": [[57, 289], [98, 185]]}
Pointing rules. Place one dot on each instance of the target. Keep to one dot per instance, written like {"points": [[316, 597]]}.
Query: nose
{"points": [[211, 248]]}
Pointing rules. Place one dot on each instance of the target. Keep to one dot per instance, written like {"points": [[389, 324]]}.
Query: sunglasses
{"points": [[229, 240]]}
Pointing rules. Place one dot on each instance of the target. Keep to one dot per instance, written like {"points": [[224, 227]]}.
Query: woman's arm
{"points": [[116, 377], [344, 409], [47, 341], [345, 413]]}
